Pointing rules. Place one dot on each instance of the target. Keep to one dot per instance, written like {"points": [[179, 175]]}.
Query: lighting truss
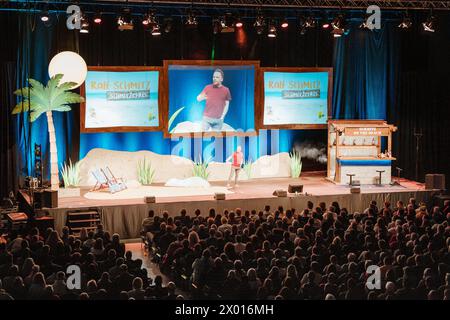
{"points": [[272, 4]]}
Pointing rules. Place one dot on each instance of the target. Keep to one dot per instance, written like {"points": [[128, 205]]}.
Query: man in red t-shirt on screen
{"points": [[237, 159], [218, 99]]}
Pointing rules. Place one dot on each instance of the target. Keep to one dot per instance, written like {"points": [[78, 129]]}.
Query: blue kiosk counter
{"points": [[354, 151]]}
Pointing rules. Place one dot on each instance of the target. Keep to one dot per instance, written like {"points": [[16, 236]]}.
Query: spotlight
{"points": [[310, 22], [124, 21], [217, 26], [226, 23], [84, 24], [145, 20], [149, 19], [406, 22], [364, 24], [307, 23], [239, 23], [259, 24], [272, 31], [325, 21], [430, 24], [156, 30], [285, 24], [98, 18], [337, 22], [338, 26], [45, 17], [191, 21], [337, 33]]}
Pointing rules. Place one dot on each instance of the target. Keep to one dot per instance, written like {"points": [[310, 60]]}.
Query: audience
{"points": [[316, 253]]}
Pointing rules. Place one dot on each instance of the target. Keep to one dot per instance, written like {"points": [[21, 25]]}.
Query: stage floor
{"points": [[124, 215], [314, 184]]}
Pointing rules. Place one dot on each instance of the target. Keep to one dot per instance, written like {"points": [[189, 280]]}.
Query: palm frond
{"points": [[21, 107], [40, 99], [63, 108], [67, 85], [63, 97], [54, 81], [35, 115], [36, 84], [22, 92]]}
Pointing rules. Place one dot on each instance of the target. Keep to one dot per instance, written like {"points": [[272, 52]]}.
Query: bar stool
{"points": [[380, 172], [351, 175]]}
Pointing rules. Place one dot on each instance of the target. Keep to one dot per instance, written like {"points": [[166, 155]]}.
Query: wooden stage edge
{"points": [[125, 216]]}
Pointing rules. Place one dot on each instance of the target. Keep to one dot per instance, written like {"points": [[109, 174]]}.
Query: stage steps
{"points": [[77, 220]]}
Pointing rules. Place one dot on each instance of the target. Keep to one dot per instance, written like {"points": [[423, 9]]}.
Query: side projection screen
{"points": [[296, 99], [121, 101]]}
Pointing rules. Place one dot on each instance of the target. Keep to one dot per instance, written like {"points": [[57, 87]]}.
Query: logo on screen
{"points": [[128, 95], [300, 94]]}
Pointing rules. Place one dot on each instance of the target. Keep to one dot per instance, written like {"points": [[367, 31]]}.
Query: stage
{"points": [[123, 212]]}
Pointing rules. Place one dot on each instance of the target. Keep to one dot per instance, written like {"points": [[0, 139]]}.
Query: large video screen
{"points": [[121, 100], [211, 98], [296, 99]]}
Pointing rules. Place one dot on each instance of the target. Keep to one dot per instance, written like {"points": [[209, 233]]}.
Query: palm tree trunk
{"points": [[54, 174]]}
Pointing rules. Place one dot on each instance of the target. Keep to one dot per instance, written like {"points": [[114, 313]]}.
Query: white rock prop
{"points": [[123, 164]]}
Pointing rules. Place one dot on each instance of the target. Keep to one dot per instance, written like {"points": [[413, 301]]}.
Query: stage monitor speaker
{"points": [[38, 198], [219, 196], [435, 181], [355, 190], [280, 193], [150, 199], [294, 188], [50, 199]]}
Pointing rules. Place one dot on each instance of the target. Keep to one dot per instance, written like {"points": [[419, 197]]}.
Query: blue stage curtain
{"points": [[365, 68], [33, 56]]}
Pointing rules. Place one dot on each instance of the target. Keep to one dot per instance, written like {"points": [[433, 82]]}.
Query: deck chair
{"points": [[114, 184], [101, 181]]}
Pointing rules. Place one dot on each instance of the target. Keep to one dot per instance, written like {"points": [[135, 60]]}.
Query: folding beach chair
{"points": [[114, 184], [101, 180]]}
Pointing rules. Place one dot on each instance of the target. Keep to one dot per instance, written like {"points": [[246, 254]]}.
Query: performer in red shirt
{"points": [[236, 164], [218, 99]]}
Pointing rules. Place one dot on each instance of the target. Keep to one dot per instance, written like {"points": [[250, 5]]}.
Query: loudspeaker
{"points": [[38, 198], [355, 190], [150, 199], [293, 188], [50, 199], [219, 196], [280, 193], [435, 181]]}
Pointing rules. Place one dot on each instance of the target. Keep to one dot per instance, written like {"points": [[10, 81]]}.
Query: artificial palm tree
{"points": [[39, 99]]}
